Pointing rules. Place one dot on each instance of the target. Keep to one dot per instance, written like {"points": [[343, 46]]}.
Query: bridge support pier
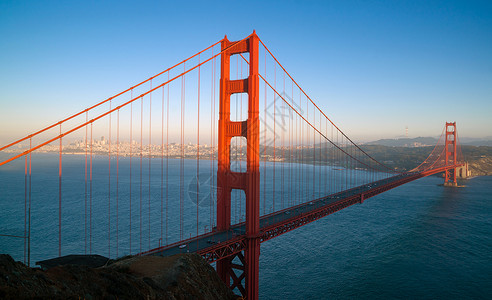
{"points": [[450, 154], [249, 181], [450, 184]]}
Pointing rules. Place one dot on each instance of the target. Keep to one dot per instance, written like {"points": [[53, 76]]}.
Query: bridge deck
{"points": [[216, 245]]}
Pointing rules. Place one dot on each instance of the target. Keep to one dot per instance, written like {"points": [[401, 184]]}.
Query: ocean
{"points": [[418, 241]]}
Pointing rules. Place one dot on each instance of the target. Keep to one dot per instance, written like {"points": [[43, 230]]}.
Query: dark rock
{"points": [[182, 276], [92, 261]]}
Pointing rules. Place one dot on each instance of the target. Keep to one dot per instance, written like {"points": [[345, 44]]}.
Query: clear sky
{"points": [[374, 67]]}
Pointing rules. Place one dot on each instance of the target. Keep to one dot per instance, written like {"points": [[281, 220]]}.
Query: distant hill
{"points": [[407, 158], [427, 141], [405, 142], [478, 143]]}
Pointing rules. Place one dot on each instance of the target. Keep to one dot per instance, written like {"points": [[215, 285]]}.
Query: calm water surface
{"points": [[418, 241]]}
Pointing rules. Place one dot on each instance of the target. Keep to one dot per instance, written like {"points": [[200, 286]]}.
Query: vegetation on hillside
{"points": [[405, 158]]}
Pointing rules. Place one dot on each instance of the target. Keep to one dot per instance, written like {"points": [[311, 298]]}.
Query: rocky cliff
{"points": [[183, 276]]}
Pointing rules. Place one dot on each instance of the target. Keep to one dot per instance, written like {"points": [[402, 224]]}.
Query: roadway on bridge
{"points": [[215, 238]]}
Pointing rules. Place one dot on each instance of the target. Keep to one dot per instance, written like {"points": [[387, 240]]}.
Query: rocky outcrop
{"points": [[182, 276]]}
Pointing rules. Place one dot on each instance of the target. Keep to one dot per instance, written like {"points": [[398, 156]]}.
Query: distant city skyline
{"points": [[373, 68]]}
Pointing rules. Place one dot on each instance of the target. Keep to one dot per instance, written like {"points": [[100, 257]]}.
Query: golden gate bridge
{"points": [[214, 155]]}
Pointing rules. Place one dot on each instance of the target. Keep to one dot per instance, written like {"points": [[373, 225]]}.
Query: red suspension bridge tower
{"points": [[248, 181], [450, 154]]}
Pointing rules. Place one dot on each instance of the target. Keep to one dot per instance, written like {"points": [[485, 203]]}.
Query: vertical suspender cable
{"points": [[211, 144], [131, 154], [301, 142], [314, 155], [90, 196], [337, 161], [60, 194], [25, 209], [308, 144], [141, 161], [326, 159], [29, 209], [235, 145], [162, 165], [240, 142], [264, 143], [332, 160], [85, 197], [150, 146], [319, 159], [274, 132], [109, 185], [213, 141], [352, 166], [198, 151], [297, 157], [167, 159], [302, 151], [291, 141], [117, 177], [237, 196], [282, 142], [347, 170], [181, 175]]}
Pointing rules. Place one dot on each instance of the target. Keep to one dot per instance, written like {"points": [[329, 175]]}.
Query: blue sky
{"points": [[374, 67]]}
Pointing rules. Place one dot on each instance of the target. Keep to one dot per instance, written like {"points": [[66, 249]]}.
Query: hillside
{"points": [[426, 141], [405, 142], [406, 158]]}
